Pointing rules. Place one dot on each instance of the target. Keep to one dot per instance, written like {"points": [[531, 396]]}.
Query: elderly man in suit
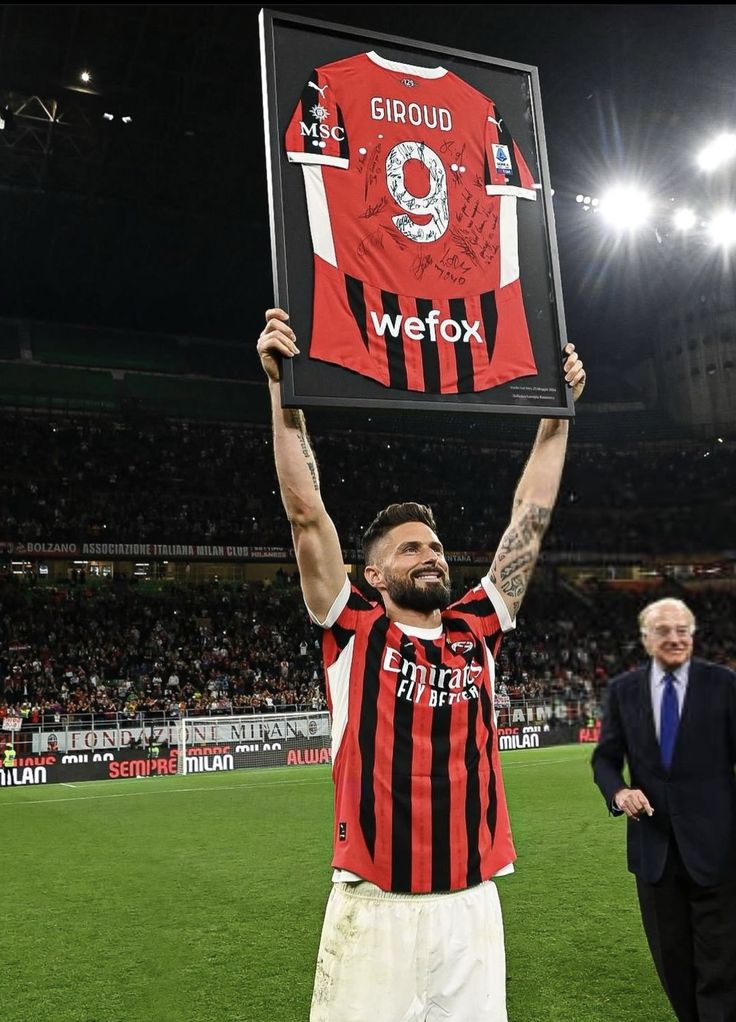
{"points": [[674, 722]]}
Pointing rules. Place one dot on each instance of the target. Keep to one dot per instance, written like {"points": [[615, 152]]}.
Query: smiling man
{"points": [[674, 722], [413, 929]]}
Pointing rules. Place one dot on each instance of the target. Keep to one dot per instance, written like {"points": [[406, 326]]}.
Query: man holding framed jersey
{"points": [[413, 928]]}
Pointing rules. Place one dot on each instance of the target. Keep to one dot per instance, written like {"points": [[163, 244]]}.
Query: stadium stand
{"points": [[77, 646], [9, 340], [97, 348], [46, 389], [152, 438], [80, 479], [79, 650]]}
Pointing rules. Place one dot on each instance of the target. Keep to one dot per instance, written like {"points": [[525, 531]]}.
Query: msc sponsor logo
{"points": [[323, 131], [320, 113]]}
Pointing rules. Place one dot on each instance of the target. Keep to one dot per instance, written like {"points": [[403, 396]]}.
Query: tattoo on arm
{"points": [[540, 517], [295, 420], [516, 567], [517, 553], [533, 521]]}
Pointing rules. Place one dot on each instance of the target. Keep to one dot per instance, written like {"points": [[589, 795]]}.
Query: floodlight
{"points": [[684, 219], [625, 207], [722, 228], [717, 152]]}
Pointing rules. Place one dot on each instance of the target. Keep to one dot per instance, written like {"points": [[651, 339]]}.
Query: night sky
{"points": [[162, 224]]}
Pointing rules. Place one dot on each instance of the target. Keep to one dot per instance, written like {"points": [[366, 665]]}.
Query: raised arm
{"points": [[316, 543], [536, 493]]}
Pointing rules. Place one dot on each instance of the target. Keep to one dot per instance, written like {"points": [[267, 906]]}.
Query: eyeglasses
{"points": [[681, 631]]}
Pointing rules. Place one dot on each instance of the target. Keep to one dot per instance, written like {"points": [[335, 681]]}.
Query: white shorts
{"points": [[411, 957]]}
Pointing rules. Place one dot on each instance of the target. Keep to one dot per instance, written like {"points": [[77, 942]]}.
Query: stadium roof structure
{"points": [[161, 109]]}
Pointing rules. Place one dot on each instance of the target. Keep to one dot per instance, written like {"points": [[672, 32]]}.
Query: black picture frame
{"points": [[292, 47]]}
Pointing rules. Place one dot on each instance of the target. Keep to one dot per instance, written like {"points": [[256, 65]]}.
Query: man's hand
{"points": [[277, 341], [574, 371], [632, 802]]}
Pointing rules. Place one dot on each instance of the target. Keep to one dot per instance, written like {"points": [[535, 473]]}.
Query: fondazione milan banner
{"points": [[412, 230], [248, 734]]}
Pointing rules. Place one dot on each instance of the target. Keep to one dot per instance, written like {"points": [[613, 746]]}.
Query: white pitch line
{"points": [[66, 784], [151, 791], [542, 762]]}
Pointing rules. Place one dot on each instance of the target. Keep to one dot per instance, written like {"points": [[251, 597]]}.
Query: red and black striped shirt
{"points": [[419, 796], [412, 180]]}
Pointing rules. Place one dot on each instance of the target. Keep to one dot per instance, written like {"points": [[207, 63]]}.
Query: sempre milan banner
{"points": [[533, 736], [410, 193], [125, 764], [89, 757]]}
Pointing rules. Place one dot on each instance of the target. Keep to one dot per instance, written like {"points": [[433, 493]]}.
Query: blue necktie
{"points": [[669, 721]]}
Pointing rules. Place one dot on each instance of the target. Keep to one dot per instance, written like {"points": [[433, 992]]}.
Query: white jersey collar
{"points": [[420, 633], [409, 69]]}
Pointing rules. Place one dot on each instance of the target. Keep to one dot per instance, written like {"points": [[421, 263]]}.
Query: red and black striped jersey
{"points": [[419, 795], [412, 180]]}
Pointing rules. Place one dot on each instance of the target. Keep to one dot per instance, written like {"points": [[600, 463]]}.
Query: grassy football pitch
{"points": [[200, 899]]}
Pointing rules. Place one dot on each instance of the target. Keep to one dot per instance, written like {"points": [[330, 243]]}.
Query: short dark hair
{"points": [[391, 516]]}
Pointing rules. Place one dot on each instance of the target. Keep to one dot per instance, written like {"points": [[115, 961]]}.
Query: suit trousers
{"points": [[691, 932]]}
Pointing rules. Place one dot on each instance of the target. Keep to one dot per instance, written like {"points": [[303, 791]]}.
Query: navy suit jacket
{"points": [[695, 801]]}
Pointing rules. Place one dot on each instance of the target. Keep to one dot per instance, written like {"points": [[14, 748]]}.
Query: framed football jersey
{"points": [[411, 222]]}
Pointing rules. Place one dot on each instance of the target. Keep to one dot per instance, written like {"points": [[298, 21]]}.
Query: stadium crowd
{"points": [[78, 480], [68, 651], [109, 649], [114, 647]]}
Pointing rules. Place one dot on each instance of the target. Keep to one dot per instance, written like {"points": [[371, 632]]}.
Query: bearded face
{"points": [[424, 589], [410, 570]]}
